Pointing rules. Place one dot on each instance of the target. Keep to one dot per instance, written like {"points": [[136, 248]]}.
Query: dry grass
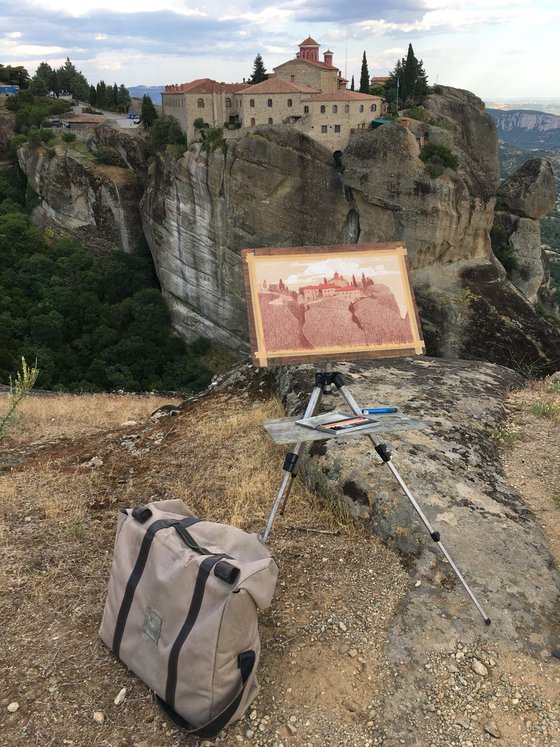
{"points": [[57, 526], [49, 417], [230, 470]]}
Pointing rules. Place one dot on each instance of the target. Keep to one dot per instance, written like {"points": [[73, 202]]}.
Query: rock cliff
{"points": [[525, 197], [274, 186], [97, 203]]}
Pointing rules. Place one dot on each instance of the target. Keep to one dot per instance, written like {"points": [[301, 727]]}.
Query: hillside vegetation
{"points": [[89, 322]]}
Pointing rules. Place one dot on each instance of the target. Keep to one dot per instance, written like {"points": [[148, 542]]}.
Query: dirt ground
{"points": [[73, 461]]}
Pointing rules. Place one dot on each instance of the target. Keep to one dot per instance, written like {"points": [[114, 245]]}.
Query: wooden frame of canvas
{"points": [[371, 315]]}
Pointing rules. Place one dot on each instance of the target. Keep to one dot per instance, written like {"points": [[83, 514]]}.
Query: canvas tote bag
{"points": [[181, 611]]}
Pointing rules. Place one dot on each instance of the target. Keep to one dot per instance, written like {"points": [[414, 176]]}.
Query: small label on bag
{"points": [[152, 624]]}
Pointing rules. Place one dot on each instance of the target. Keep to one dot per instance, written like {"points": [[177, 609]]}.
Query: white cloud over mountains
{"points": [[499, 47]]}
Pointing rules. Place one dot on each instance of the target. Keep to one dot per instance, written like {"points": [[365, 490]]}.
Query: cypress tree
{"points": [[364, 76]]}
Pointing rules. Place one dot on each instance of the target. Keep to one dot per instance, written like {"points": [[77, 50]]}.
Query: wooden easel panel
{"points": [[326, 303]]}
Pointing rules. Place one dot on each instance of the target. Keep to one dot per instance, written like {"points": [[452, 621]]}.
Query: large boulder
{"points": [[529, 192]]}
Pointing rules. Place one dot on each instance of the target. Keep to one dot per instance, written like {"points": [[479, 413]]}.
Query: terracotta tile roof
{"points": [[204, 85], [278, 85], [301, 61], [343, 95], [309, 42]]}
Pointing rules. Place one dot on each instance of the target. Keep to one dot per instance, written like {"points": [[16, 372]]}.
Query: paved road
{"points": [[122, 121]]}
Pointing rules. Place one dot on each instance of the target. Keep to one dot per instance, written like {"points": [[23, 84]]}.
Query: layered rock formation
{"points": [[528, 195], [275, 186], [99, 204]]}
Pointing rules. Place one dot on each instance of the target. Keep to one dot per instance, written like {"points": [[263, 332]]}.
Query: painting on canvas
{"points": [[325, 303]]}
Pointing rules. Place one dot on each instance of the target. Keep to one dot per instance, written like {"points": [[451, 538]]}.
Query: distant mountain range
{"points": [[154, 92], [524, 128]]}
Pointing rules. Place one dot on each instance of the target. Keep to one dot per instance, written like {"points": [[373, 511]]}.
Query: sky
{"points": [[498, 49]]}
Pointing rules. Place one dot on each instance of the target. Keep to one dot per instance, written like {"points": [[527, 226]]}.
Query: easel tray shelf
{"points": [[287, 430]]}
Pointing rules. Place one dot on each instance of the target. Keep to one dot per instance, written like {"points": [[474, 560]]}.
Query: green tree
{"points": [[165, 131], [148, 112], [352, 84], [17, 76], [55, 83], [111, 98], [41, 82], [408, 82], [123, 98], [101, 92], [364, 76], [92, 96], [259, 71]]}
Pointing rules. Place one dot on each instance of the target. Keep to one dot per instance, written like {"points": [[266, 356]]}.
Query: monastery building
{"points": [[304, 92]]}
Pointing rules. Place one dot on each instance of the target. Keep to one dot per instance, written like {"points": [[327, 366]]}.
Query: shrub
{"points": [[15, 143], [438, 158], [68, 137], [415, 113], [19, 388], [165, 131], [213, 138], [46, 134], [33, 137], [503, 251], [107, 156], [201, 346]]}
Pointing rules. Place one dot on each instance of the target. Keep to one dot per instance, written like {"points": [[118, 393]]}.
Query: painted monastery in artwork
{"points": [[338, 311]]}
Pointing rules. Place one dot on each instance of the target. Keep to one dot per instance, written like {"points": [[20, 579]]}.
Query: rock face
{"points": [[531, 191], [96, 203], [452, 468], [276, 187], [524, 198]]}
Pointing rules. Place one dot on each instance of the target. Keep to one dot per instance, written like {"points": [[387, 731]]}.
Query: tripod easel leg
{"points": [[381, 449], [291, 461]]}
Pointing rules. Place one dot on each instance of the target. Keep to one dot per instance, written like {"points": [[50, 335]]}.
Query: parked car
{"points": [[137, 120], [131, 115]]}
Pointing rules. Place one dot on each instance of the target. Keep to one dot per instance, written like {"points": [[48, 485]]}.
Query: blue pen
{"points": [[377, 410]]}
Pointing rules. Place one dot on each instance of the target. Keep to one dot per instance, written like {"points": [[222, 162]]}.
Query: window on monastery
{"points": [[361, 107], [337, 128], [253, 122], [252, 103], [228, 102], [373, 108], [270, 120], [201, 103], [269, 102], [289, 102], [323, 128], [346, 108], [306, 110], [323, 109], [334, 109]]}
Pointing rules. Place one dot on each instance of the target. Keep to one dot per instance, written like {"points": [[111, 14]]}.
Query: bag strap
{"points": [[194, 608], [136, 574], [246, 663], [224, 570]]}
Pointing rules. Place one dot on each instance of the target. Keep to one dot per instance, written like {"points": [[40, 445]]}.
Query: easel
{"points": [[323, 383]]}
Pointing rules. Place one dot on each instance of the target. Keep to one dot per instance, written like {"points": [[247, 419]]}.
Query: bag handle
{"points": [[246, 663]]}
